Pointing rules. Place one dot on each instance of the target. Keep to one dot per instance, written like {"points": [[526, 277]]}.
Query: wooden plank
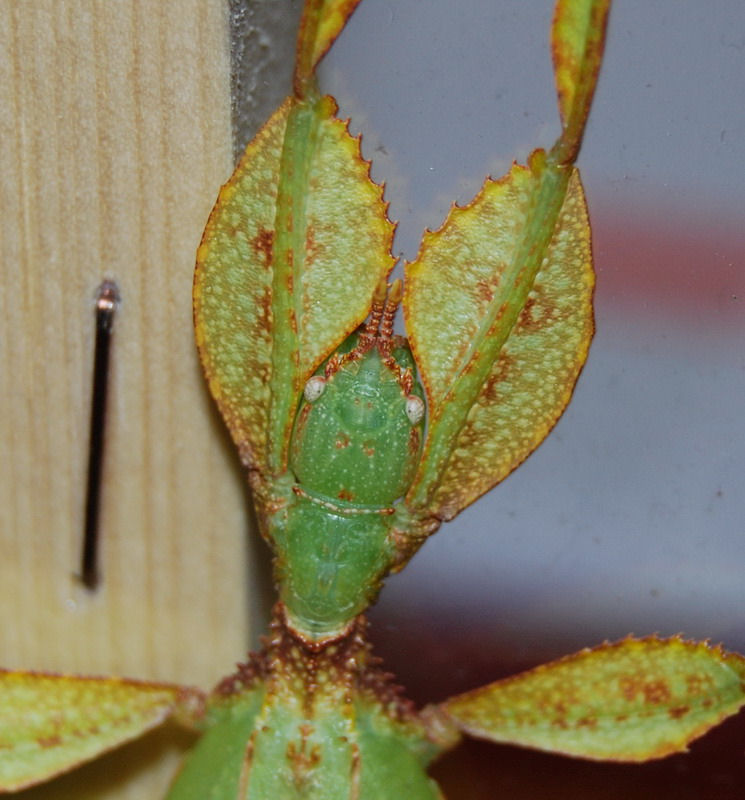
{"points": [[114, 139]]}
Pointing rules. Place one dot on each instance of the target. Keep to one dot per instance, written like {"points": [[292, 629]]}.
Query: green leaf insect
{"points": [[359, 444]]}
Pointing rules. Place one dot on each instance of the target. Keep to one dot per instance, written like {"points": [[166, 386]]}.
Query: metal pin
{"points": [[107, 301]]}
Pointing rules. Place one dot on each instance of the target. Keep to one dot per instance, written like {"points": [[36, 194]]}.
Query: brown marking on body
{"points": [[471, 365], [345, 494], [262, 245], [654, 692], [697, 684], [536, 314], [679, 711], [629, 688], [342, 441], [490, 390], [500, 313], [303, 759], [333, 365], [248, 675], [302, 419], [49, 741], [414, 440], [246, 766], [288, 218], [292, 318], [490, 394], [310, 241], [344, 663], [354, 778], [264, 315], [485, 291], [313, 249]]}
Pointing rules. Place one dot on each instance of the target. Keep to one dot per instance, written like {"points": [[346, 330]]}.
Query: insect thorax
{"points": [[355, 447]]}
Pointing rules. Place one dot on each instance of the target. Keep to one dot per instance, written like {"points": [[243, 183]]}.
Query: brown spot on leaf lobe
{"points": [[652, 692], [262, 245]]}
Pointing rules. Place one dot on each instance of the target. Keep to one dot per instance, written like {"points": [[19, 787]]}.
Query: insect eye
{"points": [[314, 388], [414, 408]]}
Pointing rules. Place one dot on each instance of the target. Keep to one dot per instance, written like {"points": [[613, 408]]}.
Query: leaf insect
{"points": [[293, 313]]}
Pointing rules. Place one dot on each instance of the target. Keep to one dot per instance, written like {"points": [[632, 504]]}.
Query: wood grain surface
{"points": [[114, 140]]}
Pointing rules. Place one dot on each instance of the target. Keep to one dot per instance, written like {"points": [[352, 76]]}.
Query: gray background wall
{"points": [[631, 516]]}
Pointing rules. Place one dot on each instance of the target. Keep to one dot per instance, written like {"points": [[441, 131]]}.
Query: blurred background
{"points": [[630, 517]]}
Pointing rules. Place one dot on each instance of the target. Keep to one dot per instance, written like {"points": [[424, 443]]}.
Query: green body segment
{"points": [[343, 753], [330, 564], [296, 724], [393, 767], [332, 541], [355, 442], [214, 769]]}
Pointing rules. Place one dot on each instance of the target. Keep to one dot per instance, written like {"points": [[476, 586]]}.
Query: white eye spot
{"points": [[414, 409], [314, 388]]}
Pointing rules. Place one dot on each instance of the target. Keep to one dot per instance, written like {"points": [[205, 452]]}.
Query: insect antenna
{"points": [[369, 334], [385, 332], [378, 330]]}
